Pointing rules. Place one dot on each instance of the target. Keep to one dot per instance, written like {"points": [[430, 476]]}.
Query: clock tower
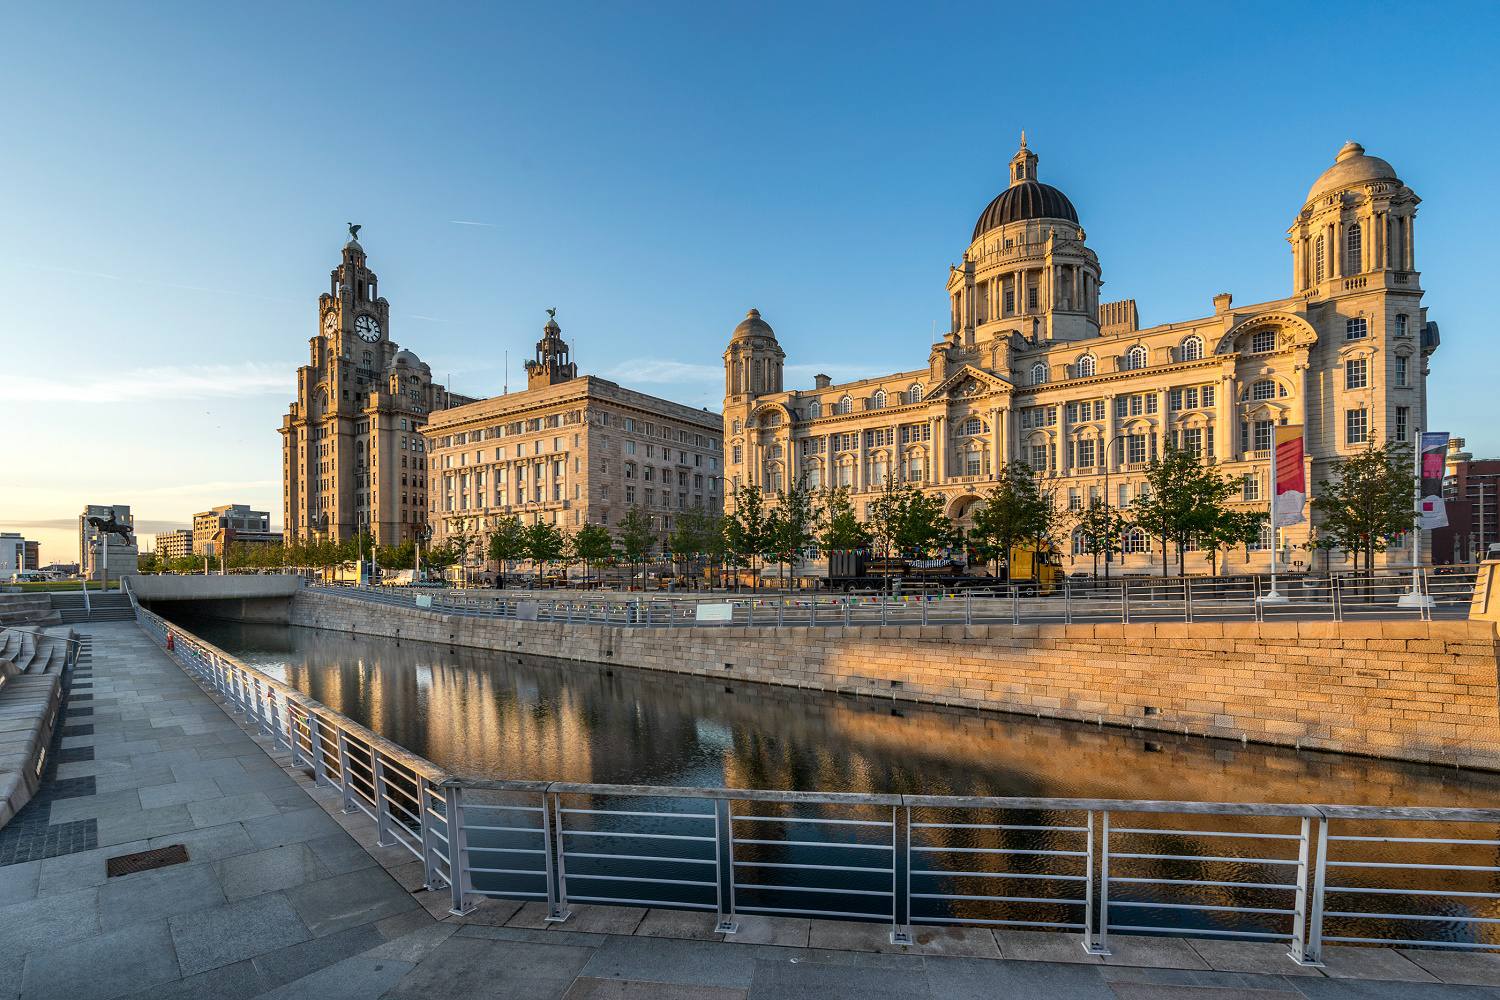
{"points": [[353, 459]]}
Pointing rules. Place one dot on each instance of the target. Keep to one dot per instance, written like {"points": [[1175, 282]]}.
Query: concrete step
{"points": [[110, 607]]}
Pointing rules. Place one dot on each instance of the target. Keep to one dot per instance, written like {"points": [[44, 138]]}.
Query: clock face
{"points": [[330, 323], [367, 328]]}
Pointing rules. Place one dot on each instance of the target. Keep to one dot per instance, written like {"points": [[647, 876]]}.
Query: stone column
{"points": [[1224, 418], [996, 432], [1110, 460], [1064, 464]]}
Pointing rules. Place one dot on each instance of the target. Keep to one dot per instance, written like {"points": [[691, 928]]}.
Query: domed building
{"points": [[1036, 368]]}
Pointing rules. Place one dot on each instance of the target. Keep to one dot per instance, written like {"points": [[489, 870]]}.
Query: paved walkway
{"points": [[279, 899]]}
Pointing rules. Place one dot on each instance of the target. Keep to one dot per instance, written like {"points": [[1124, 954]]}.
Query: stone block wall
{"points": [[1422, 691]]}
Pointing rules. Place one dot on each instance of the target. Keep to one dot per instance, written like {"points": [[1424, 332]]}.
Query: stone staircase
{"points": [[106, 607], [34, 649], [27, 609]]}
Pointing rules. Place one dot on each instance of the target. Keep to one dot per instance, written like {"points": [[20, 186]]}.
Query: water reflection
{"points": [[499, 715]]}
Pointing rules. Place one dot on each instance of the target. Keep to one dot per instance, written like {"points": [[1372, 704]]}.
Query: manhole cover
{"points": [[145, 861]]}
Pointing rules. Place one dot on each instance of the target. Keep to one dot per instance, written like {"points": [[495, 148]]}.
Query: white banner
{"points": [[715, 613]]}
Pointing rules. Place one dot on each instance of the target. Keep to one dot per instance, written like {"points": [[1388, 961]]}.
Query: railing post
{"points": [[724, 867], [1125, 602], [432, 872], [557, 872], [1300, 922], [901, 875], [458, 848], [1260, 607], [1187, 599], [315, 739], [968, 607], [345, 785], [291, 735], [1015, 605], [780, 612], [1312, 949], [1101, 941], [383, 836], [1338, 604], [1067, 603]]}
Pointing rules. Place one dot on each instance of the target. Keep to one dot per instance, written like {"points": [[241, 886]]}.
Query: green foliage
{"points": [[1368, 503], [508, 541], [544, 543], [1231, 528], [592, 544], [1014, 509], [1187, 498], [637, 537], [747, 530], [790, 525], [839, 528], [1103, 527], [904, 521]]}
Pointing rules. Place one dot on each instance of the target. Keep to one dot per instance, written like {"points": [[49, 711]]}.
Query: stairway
{"points": [[107, 607], [27, 609], [34, 649]]}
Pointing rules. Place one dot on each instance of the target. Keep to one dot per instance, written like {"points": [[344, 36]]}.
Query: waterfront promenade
{"points": [[279, 897]]}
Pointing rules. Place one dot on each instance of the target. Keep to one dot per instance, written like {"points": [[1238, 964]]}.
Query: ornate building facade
{"points": [[1036, 368], [570, 450], [352, 458]]}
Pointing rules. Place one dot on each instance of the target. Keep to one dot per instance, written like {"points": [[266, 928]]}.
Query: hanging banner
{"points": [[1431, 511], [1290, 491]]}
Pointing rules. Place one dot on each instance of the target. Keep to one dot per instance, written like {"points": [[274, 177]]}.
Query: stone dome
{"points": [[1022, 201], [406, 359], [753, 326], [1352, 166]]}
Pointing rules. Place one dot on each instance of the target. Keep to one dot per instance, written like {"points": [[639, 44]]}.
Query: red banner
{"points": [[1290, 492]]}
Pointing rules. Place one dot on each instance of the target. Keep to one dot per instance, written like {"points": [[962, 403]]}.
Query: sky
{"points": [[175, 180]]}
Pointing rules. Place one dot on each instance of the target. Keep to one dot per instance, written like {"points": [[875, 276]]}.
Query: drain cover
{"points": [[145, 861]]}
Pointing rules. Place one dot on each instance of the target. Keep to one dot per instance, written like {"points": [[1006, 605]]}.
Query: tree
{"points": [[592, 544], [507, 543], [790, 527], [544, 543], [747, 530], [1012, 510], [690, 538], [463, 541], [637, 538], [1368, 503], [148, 562], [1103, 527], [839, 528], [1231, 528], [1186, 499], [904, 521]]}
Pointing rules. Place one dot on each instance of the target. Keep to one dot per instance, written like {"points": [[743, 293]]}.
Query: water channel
{"points": [[499, 715]]}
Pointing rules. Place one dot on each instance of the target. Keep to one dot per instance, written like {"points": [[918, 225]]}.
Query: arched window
{"points": [[815, 410], [1353, 247], [770, 418], [1038, 373], [1191, 349], [1319, 260], [973, 425], [845, 405], [1085, 367], [877, 399], [738, 426], [1135, 540], [914, 394], [1135, 358], [1264, 389]]}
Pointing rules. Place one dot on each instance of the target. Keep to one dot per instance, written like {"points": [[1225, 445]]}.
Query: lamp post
{"points": [[1108, 449]]}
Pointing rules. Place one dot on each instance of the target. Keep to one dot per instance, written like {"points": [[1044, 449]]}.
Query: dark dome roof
{"points": [[1022, 201]]}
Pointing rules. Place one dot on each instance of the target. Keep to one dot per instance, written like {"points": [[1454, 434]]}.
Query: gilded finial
{"points": [[1023, 138]]}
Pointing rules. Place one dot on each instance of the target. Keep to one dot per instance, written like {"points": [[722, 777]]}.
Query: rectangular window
{"points": [[1400, 326], [1356, 426], [1265, 431], [1401, 370], [1208, 396], [1355, 373], [1075, 502], [1403, 417], [1263, 342], [1136, 449], [1031, 299], [1086, 452], [1174, 399], [1191, 441], [1356, 329]]}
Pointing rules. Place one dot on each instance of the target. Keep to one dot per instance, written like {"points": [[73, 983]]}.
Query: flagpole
{"points": [[1272, 597], [1414, 598]]}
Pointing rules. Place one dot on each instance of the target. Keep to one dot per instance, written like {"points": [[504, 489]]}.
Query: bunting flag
{"points": [[1290, 491], [1432, 512]]}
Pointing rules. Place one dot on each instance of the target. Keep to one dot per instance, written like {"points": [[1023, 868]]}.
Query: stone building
{"points": [[1035, 367], [1471, 489], [174, 544], [94, 545], [233, 523], [351, 457], [570, 450]]}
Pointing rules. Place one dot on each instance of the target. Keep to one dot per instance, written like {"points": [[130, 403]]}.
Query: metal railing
{"points": [[1302, 875], [1141, 600]]}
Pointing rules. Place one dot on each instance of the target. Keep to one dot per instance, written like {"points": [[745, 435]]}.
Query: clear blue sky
{"points": [[175, 180]]}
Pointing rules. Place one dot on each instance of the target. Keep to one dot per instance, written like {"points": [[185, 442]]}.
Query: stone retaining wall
{"points": [[1423, 691]]}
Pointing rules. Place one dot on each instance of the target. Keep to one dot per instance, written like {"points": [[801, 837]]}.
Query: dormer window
{"points": [[1191, 349], [1135, 358], [1038, 373]]}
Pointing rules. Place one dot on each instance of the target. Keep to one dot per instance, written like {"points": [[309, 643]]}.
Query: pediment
{"points": [[969, 381]]}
